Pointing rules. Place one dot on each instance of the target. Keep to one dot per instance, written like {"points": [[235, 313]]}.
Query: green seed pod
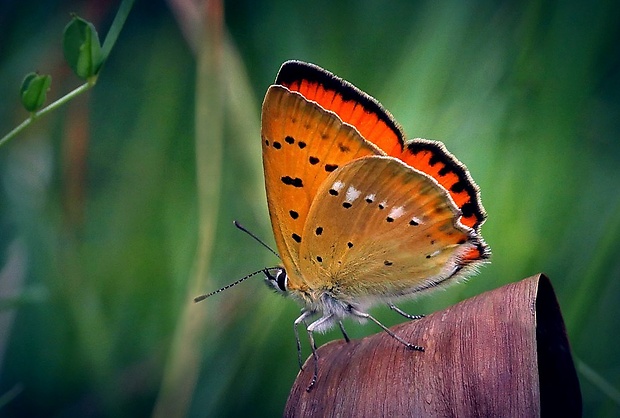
{"points": [[82, 48], [33, 91]]}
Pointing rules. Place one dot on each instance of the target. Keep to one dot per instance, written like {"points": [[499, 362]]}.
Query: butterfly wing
{"points": [[378, 126], [432, 158], [379, 228], [302, 145], [351, 104]]}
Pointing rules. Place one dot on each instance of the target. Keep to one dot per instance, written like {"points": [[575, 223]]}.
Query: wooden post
{"points": [[501, 353]]}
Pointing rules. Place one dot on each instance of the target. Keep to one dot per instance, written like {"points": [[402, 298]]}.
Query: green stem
{"points": [[35, 115], [115, 28]]}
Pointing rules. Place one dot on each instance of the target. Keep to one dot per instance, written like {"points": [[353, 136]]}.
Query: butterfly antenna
{"points": [[260, 241], [228, 286]]}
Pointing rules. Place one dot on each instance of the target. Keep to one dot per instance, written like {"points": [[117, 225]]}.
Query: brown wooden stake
{"points": [[502, 353]]}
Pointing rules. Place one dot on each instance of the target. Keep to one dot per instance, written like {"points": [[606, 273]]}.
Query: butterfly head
{"points": [[277, 279]]}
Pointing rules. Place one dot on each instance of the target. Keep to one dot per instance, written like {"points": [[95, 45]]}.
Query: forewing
{"points": [[302, 145]]}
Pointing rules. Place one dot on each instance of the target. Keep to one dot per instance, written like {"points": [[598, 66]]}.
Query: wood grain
{"points": [[501, 353]]}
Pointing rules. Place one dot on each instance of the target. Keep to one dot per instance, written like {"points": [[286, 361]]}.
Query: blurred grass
{"points": [[99, 213]]}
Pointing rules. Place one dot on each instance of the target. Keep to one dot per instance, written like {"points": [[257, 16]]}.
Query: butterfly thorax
{"points": [[324, 300]]}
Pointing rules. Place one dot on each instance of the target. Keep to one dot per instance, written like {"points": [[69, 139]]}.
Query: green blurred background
{"points": [[117, 208]]}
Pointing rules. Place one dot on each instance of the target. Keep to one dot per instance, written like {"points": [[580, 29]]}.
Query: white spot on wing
{"points": [[417, 220], [396, 212], [338, 185], [352, 194], [371, 197]]}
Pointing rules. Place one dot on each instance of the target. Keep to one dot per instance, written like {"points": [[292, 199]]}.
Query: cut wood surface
{"points": [[501, 353]]}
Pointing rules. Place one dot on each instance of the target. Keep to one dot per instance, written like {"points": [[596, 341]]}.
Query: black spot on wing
{"points": [[295, 182], [458, 187], [435, 158], [330, 167], [444, 170], [468, 209]]}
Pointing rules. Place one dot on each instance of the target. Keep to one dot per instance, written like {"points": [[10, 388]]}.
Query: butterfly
{"points": [[360, 216]]}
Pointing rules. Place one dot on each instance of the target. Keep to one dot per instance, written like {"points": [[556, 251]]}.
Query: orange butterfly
{"points": [[360, 216]]}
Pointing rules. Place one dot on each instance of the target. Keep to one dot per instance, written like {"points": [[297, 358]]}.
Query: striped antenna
{"points": [[228, 286]]}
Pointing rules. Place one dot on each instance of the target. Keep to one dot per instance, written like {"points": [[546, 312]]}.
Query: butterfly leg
{"points": [[302, 317], [344, 332], [365, 315], [403, 313], [310, 329]]}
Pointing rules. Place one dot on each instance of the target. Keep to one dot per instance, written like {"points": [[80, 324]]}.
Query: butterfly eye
{"points": [[282, 280], [279, 281]]}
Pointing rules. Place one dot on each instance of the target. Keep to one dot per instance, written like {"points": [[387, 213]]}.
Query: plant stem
{"points": [[115, 28], [35, 115]]}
